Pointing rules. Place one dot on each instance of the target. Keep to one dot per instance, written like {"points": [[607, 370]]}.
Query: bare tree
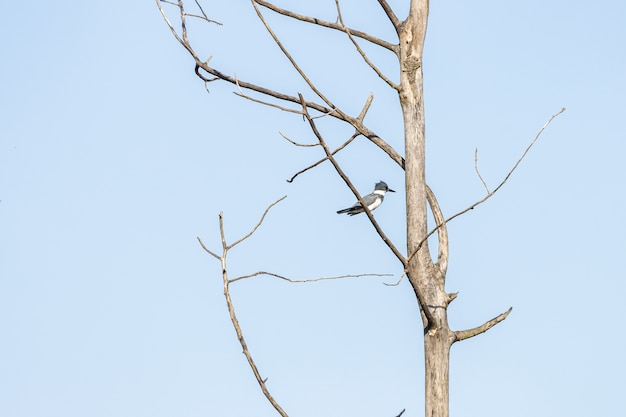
{"points": [[426, 275]]}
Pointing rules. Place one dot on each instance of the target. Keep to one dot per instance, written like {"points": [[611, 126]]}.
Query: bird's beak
{"points": [[390, 190]]}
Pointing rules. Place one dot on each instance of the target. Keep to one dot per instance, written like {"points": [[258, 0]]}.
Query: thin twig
{"points": [[342, 146], [258, 224], [290, 58], [362, 53], [357, 123], [397, 282], [401, 412], [204, 14], [365, 108], [242, 94], [304, 145], [489, 195], [345, 178], [244, 346], [206, 249], [478, 172], [231, 307], [307, 280], [330, 25]]}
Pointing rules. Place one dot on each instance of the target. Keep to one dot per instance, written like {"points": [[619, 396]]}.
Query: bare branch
{"points": [[401, 412], [357, 123], [362, 53], [305, 145], [466, 334], [478, 172], [330, 25], [222, 235], [206, 249], [257, 225], [242, 94], [365, 108], [490, 194], [290, 58], [390, 14], [302, 171], [336, 113], [345, 178], [244, 346], [442, 256], [359, 119], [306, 280], [231, 308], [204, 16], [397, 282], [169, 24]]}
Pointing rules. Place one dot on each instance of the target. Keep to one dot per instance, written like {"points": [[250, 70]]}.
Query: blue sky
{"points": [[113, 158]]}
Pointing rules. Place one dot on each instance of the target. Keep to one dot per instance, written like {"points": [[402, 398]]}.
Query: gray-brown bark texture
{"points": [[426, 278]]}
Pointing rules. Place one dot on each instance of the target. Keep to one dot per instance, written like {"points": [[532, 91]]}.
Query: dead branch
{"points": [[242, 94], [271, 274], [360, 118], [206, 249], [478, 171], [345, 178], [293, 142], [495, 190], [391, 16], [204, 16], [365, 108], [330, 25], [357, 123], [466, 334], [442, 255], [229, 302], [397, 282], [290, 58], [362, 53], [231, 308], [257, 225], [343, 145]]}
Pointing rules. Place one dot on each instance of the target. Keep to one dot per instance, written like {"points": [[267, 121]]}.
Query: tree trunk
{"points": [[425, 276]]}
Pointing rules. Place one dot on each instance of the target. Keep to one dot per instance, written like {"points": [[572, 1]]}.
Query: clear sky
{"points": [[113, 158]]}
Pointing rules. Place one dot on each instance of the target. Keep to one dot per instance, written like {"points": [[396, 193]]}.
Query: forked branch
{"points": [[345, 178], [231, 307], [330, 25], [342, 146], [258, 224], [208, 74], [495, 190], [359, 119]]}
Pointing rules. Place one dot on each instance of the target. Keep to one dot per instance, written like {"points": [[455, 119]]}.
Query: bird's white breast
{"points": [[375, 204]]}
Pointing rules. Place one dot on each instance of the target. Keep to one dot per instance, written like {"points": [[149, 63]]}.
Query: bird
{"points": [[372, 200]]}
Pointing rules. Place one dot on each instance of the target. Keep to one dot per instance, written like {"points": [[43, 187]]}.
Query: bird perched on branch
{"points": [[372, 201]]}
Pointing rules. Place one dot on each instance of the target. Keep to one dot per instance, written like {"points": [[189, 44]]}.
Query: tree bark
{"points": [[426, 277]]}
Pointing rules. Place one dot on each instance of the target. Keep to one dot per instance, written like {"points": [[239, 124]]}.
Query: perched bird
{"points": [[371, 200]]}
